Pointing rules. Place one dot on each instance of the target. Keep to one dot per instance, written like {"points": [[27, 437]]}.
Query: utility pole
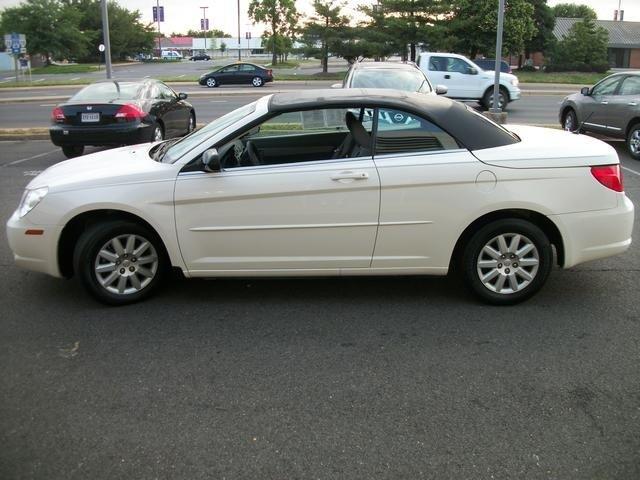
{"points": [[495, 108], [204, 26], [105, 34], [239, 45], [159, 36]]}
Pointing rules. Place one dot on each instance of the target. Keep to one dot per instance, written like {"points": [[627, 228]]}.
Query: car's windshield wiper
{"points": [[161, 149]]}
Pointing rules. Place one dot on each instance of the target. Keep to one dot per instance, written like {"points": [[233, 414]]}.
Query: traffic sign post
{"points": [[16, 45]]}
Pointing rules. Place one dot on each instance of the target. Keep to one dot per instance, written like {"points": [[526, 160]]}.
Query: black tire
{"points": [[157, 133], [211, 82], [488, 96], [257, 82], [191, 123], [633, 141], [570, 121], [86, 255], [73, 151], [508, 268]]}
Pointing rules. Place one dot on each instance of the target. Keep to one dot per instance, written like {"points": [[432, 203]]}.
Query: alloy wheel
{"points": [[157, 134], [257, 82], [634, 142], [508, 263], [568, 122], [211, 82], [126, 264]]}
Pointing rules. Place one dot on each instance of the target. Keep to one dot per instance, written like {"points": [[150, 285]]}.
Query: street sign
{"points": [[101, 47], [15, 43], [204, 24], [159, 10]]}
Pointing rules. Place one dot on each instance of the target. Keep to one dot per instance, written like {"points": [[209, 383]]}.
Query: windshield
{"points": [[108, 92], [408, 80], [197, 137]]}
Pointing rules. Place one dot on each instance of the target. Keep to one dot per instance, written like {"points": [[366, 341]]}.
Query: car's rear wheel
{"points": [[503, 98], [73, 151], [633, 141], [257, 82], [507, 261], [211, 82], [119, 262], [570, 121], [157, 135]]}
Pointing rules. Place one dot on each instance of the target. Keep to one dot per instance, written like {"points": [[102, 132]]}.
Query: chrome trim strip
{"points": [[281, 227]]}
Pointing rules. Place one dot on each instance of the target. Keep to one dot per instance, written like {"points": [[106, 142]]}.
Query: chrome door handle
{"points": [[447, 77], [604, 102], [633, 104], [350, 176]]}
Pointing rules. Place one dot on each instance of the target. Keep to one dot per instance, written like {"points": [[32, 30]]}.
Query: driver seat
{"points": [[357, 142]]}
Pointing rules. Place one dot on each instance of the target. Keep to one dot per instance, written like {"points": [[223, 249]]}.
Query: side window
{"points": [[630, 86], [302, 136], [606, 87], [155, 92], [247, 68], [457, 65], [402, 132], [165, 92], [230, 69], [438, 64]]}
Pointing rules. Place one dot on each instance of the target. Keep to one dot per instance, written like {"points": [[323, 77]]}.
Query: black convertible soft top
{"points": [[470, 129]]}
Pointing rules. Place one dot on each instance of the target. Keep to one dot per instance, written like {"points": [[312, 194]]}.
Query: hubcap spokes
{"points": [[568, 123], [157, 135], [508, 263], [634, 142], [126, 264]]}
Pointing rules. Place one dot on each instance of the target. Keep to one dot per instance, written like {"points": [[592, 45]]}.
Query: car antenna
{"points": [[577, 130]]}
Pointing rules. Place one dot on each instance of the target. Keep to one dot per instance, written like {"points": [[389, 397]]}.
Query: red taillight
{"points": [[609, 175], [130, 112], [269, 72], [57, 115]]}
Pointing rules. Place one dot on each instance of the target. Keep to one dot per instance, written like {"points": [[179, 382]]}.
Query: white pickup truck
{"points": [[467, 81]]}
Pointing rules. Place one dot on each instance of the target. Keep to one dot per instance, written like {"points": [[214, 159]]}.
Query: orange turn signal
{"points": [[34, 232]]}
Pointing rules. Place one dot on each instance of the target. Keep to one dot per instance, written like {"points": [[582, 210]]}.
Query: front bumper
{"points": [[34, 252], [108, 135], [598, 234], [514, 93]]}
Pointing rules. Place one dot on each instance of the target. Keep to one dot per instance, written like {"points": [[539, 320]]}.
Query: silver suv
{"points": [[611, 107]]}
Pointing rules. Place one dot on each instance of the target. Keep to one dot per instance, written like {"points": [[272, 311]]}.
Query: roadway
{"points": [[353, 378]]}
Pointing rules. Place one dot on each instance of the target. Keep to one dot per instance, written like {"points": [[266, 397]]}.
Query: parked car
{"points": [[489, 65], [111, 113], [467, 81], [611, 107], [237, 74], [400, 76], [288, 186], [200, 56]]}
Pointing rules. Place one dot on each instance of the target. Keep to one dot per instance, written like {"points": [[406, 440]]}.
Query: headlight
{"points": [[514, 82], [30, 199]]}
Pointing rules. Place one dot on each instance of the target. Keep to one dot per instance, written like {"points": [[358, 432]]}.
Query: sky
{"points": [[182, 15]]}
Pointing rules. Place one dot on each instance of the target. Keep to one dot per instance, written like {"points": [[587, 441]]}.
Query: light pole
{"points": [[159, 36], [239, 45], [204, 26], [495, 108], [105, 35]]}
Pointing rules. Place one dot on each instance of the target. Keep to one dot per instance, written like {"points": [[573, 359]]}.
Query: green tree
{"points": [[281, 18], [571, 10], [223, 48], [584, 48], [544, 21], [473, 25], [51, 27], [324, 28], [215, 33]]}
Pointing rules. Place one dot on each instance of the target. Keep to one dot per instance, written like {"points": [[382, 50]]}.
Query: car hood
{"points": [[109, 167], [548, 148]]}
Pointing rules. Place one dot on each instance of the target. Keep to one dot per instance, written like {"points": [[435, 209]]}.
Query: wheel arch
{"points": [[541, 221], [74, 228], [634, 121]]}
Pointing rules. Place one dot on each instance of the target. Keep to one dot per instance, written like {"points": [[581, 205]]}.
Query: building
{"points": [[624, 40]]}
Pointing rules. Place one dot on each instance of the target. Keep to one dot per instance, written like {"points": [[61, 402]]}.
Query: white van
{"points": [[171, 55]]}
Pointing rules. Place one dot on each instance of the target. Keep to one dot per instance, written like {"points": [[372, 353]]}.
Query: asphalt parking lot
{"points": [[318, 378]]}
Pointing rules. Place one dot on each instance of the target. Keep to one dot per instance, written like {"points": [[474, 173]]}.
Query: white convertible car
{"points": [[330, 182]]}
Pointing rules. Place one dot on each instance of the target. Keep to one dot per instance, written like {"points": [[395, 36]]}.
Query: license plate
{"points": [[90, 117]]}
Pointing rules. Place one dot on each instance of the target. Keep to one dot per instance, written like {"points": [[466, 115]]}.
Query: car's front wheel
{"points": [[257, 82], [73, 151], [211, 82], [507, 261], [119, 262], [191, 126], [633, 141], [570, 121], [503, 98]]}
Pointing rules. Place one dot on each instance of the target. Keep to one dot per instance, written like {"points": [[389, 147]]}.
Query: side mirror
{"points": [[211, 161], [472, 71], [182, 96], [441, 89], [584, 91], [336, 85]]}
